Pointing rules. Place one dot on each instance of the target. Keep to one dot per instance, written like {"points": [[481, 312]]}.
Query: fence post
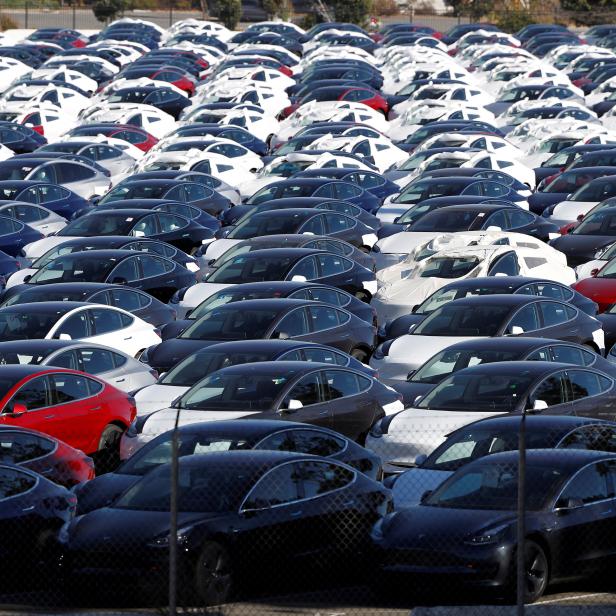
{"points": [[74, 10], [173, 519], [26, 15], [170, 13], [521, 515]]}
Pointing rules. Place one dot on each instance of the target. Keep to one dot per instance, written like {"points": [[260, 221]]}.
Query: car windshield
{"points": [[71, 268], [595, 191], [40, 294], [258, 225], [449, 361], [92, 225], [495, 486], [15, 324], [225, 296], [55, 252], [195, 367], [10, 355], [479, 392], [451, 220], [225, 324], [476, 442], [448, 267], [159, 452], [599, 223], [229, 392], [198, 491], [138, 191], [569, 182], [444, 296], [247, 268], [462, 320]]}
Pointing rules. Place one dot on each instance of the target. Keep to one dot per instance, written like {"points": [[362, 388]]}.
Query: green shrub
{"points": [[7, 23], [229, 12], [512, 21], [108, 10], [354, 11]]}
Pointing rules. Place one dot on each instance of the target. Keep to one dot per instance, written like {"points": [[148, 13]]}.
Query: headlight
{"points": [[381, 427], [163, 541], [488, 536], [144, 357], [382, 350], [375, 248], [178, 296], [136, 428]]}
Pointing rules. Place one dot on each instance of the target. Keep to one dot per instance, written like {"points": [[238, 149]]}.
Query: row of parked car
{"points": [[343, 266]]}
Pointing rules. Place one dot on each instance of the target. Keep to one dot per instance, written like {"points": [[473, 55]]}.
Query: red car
{"points": [[79, 409], [45, 455], [176, 78], [601, 287], [133, 134]]}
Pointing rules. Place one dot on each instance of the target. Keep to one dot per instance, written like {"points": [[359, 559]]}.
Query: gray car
{"points": [[111, 365]]}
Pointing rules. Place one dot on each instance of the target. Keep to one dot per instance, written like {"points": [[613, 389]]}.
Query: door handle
{"points": [[46, 471], [129, 338], [31, 508], [96, 408], [324, 413], [296, 514], [49, 416], [120, 380]]}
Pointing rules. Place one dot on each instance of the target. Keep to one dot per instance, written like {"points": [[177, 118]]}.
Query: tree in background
{"points": [[277, 9], [108, 10], [476, 9], [354, 11], [229, 12]]}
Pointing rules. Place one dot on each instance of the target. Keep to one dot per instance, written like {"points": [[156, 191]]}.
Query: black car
{"points": [[117, 242], [343, 399], [233, 435], [569, 518], [235, 133], [166, 99], [305, 320], [240, 213], [495, 435], [582, 243], [295, 264], [486, 350], [240, 511], [565, 157], [185, 234], [172, 190], [317, 187], [8, 266], [156, 275], [20, 138], [137, 302], [264, 290], [14, 235], [486, 285]]}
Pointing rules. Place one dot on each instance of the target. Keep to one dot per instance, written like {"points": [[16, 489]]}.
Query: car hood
{"points": [[170, 352], [164, 420], [37, 249], [412, 484], [219, 247], [422, 526], [570, 210], [156, 397], [573, 245], [596, 288], [102, 491]]}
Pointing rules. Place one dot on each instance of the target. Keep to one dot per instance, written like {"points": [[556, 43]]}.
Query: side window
{"points": [[329, 296], [33, 395], [337, 223], [340, 384], [320, 478], [310, 442], [498, 219], [295, 323], [519, 218], [565, 354], [325, 356], [170, 222], [322, 318], [307, 267], [278, 487], [127, 271], [152, 266], [526, 318], [314, 226], [291, 356], [67, 360], [506, 264], [552, 391], [16, 447], [95, 361], [331, 265], [585, 384], [541, 355], [128, 300], [68, 388], [106, 320], [76, 326], [598, 437], [14, 482], [553, 313], [145, 227], [588, 486], [306, 391]]}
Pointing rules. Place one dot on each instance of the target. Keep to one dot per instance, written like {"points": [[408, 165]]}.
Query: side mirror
{"points": [[425, 496], [568, 196], [412, 327], [299, 278], [419, 460], [139, 233], [410, 374], [414, 308], [211, 262], [594, 272], [567, 504], [397, 220], [280, 335], [580, 217], [417, 400], [570, 229], [540, 405], [516, 330], [119, 280], [294, 405], [27, 278], [65, 337], [18, 410]]}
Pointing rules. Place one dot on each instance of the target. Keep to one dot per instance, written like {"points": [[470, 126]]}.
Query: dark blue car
{"points": [[14, 235], [20, 138], [54, 197]]}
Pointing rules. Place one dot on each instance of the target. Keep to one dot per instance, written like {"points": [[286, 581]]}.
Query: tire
{"points": [[536, 573], [213, 574], [359, 355], [107, 457], [363, 296]]}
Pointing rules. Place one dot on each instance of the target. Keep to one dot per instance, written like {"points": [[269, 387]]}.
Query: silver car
{"points": [[40, 218], [79, 177], [111, 365]]}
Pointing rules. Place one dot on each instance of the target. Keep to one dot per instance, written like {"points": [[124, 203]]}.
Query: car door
{"points": [[157, 276], [336, 271], [504, 265], [295, 324], [558, 320], [524, 321], [126, 272], [305, 402], [343, 227], [34, 399], [330, 326], [111, 328], [174, 229], [73, 327], [101, 363], [305, 269], [352, 408], [588, 389], [582, 534], [553, 391]]}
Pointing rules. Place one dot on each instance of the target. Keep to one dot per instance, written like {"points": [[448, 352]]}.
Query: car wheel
{"points": [[213, 575], [108, 455], [359, 355], [536, 573]]}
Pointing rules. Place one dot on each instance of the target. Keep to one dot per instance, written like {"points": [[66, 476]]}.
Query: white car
{"points": [[63, 73], [401, 287], [590, 268], [70, 101], [48, 119], [36, 216], [261, 125], [106, 325]]}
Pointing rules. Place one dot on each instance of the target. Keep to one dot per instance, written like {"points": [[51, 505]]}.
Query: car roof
{"points": [[295, 212], [498, 300], [37, 345], [106, 253], [280, 304], [497, 282], [516, 368], [252, 429], [547, 423], [70, 286], [61, 307], [274, 346], [296, 253], [292, 368], [566, 459], [521, 344]]}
